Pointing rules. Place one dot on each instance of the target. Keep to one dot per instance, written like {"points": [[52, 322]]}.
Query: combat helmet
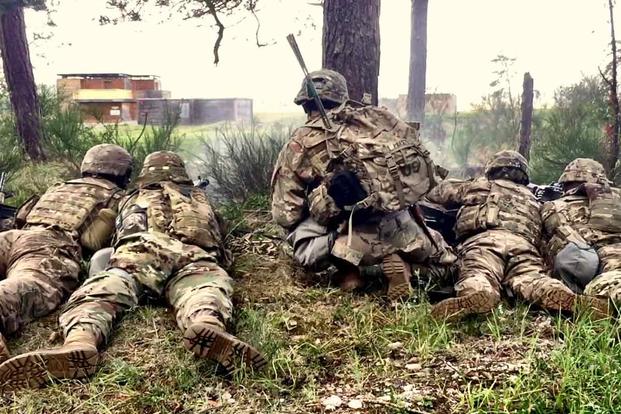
{"points": [[107, 159], [507, 158], [163, 166], [583, 170], [331, 87]]}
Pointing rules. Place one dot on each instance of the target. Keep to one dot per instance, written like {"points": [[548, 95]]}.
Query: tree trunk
{"points": [[527, 115], [351, 44], [20, 80], [613, 130], [418, 62]]}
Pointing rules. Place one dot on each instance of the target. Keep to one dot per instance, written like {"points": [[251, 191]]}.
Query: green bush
{"points": [[240, 161], [66, 138]]}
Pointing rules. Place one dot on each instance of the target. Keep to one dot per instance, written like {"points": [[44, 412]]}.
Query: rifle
{"points": [[309, 82], [545, 193]]}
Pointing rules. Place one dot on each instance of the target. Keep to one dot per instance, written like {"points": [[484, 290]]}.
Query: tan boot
{"points": [[77, 358], [210, 341], [555, 299], [4, 350], [598, 308], [398, 273], [453, 309]]}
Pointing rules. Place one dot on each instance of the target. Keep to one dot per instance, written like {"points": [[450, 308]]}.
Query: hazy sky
{"points": [[556, 40]]}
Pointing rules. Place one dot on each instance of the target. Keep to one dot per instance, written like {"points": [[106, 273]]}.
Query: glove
{"points": [[345, 189]]}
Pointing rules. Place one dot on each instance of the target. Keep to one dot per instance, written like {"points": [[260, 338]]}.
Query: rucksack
{"points": [[386, 155]]}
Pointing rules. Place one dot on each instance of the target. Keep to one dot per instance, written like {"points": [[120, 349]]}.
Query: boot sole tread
{"points": [[35, 369], [398, 276], [221, 347]]}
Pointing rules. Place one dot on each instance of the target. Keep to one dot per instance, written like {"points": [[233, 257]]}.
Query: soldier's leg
{"points": [[481, 267], [610, 257], [527, 278], [200, 295], [87, 323], [606, 285], [35, 286], [6, 242], [43, 270]]}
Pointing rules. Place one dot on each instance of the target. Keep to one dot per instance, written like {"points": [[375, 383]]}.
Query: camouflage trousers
{"points": [[397, 233], [498, 260], [608, 282], [40, 268], [152, 265]]}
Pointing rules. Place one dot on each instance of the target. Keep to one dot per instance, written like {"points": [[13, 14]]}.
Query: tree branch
{"points": [[216, 46]]}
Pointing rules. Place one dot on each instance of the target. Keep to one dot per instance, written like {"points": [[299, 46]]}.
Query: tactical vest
{"points": [[182, 212], [605, 209], [72, 205], [385, 154], [499, 204]]}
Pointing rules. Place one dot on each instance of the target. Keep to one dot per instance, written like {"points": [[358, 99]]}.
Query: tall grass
{"points": [[240, 161]]}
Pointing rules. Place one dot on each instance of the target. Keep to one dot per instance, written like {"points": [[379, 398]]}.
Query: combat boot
{"points": [[398, 273], [77, 358], [556, 299], [597, 308], [453, 309], [4, 350], [207, 338]]}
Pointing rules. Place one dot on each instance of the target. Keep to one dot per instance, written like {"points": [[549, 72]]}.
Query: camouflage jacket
{"points": [[490, 204], [571, 218], [75, 207], [306, 162]]}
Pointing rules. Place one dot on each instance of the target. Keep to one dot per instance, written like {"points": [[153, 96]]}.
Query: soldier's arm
{"points": [[448, 193], [556, 231], [22, 211], [289, 206], [98, 233]]}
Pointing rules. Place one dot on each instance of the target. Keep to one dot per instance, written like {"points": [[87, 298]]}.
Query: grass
{"points": [[322, 343]]}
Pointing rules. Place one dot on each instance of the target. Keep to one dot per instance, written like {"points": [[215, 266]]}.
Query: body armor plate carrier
{"points": [[499, 204], [69, 206]]}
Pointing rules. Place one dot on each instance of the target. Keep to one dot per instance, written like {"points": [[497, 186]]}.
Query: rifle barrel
{"points": [[309, 82]]}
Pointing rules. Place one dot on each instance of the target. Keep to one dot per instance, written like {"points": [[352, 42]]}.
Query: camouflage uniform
{"points": [[168, 244], [586, 215], [498, 226], [41, 261], [378, 229]]}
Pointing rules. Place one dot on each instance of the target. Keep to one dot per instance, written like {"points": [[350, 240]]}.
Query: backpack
{"points": [[385, 153]]}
